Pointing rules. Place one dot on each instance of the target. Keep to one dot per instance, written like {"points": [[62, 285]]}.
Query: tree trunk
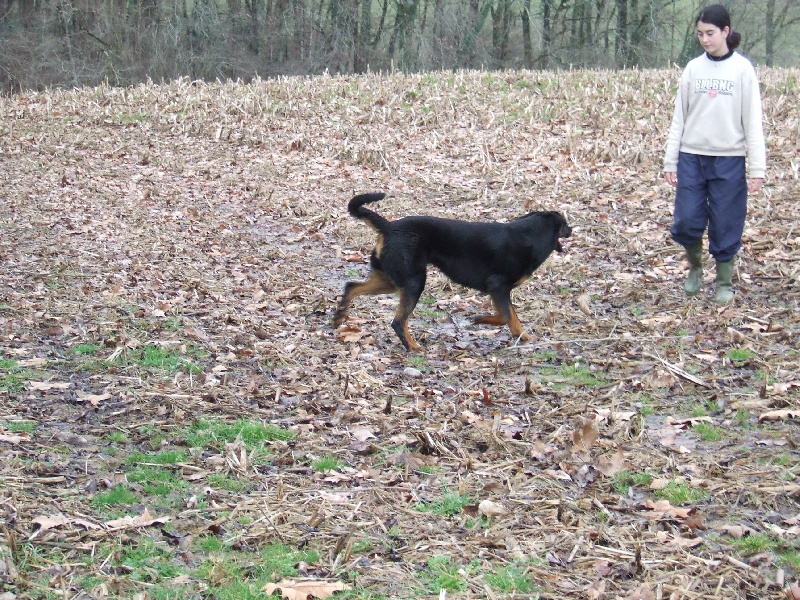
{"points": [[547, 32], [527, 48], [769, 42], [501, 19], [362, 32], [621, 39]]}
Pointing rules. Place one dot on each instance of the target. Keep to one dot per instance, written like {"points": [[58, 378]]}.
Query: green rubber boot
{"points": [[694, 254], [724, 285]]}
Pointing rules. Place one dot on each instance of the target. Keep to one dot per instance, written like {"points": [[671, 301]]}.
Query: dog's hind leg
{"points": [[409, 296], [506, 315], [378, 283]]}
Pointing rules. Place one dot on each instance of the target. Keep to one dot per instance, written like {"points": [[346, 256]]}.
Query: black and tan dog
{"points": [[487, 256]]}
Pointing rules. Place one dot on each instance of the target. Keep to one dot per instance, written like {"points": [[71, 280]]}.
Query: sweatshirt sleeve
{"points": [[676, 128], [752, 117]]}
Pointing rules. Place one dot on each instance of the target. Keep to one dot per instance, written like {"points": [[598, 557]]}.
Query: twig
{"points": [[680, 372]]}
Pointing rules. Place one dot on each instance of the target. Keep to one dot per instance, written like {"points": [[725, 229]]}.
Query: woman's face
{"points": [[713, 39]]}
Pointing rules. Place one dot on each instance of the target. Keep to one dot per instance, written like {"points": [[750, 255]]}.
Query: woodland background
{"points": [[123, 42]]}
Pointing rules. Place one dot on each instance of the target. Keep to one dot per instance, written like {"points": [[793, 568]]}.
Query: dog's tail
{"points": [[356, 208]]}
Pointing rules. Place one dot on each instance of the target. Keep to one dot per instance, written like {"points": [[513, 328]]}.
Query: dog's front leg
{"points": [[506, 315]]}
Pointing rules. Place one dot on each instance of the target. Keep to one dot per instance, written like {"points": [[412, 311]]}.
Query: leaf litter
{"points": [[206, 224]]}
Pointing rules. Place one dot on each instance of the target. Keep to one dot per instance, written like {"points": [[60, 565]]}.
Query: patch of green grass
{"points": [[215, 433], [698, 410], [327, 463], [116, 496], [148, 562], [85, 349], [156, 481], [708, 432], [118, 437], [739, 356], [363, 546], [154, 436], [646, 407], [282, 559], [430, 312], [444, 574], [173, 323], [755, 543], [131, 118], [225, 482], [28, 427], [580, 375], [209, 544], [784, 460], [160, 358], [12, 377], [477, 523], [545, 356], [742, 417], [234, 584], [164, 457], [429, 469], [679, 493], [448, 505], [623, 481], [359, 594], [790, 557], [576, 375], [417, 361], [511, 579]]}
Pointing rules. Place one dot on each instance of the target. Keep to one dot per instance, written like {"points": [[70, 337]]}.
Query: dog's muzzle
{"points": [[565, 232]]}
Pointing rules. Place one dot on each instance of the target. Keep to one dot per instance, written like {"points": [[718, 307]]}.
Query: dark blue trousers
{"points": [[712, 192]]}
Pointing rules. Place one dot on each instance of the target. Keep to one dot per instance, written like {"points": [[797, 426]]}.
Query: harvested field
{"points": [[179, 419]]}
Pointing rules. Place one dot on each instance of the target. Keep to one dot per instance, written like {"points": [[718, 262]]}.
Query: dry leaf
{"points": [[45, 386], [362, 434], [643, 592], [584, 437], [610, 464], [584, 303], [129, 522], [492, 509], [296, 589], [793, 591], [779, 415]]}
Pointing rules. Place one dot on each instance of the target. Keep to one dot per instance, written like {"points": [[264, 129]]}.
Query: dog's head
{"points": [[560, 228]]}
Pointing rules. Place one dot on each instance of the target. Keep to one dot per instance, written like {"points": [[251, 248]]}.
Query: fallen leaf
{"points": [[779, 415], [610, 464], [641, 593], [362, 434], [584, 437], [584, 303], [292, 589], [129, 522], [45, 386], [492, 509], [793, 591]]}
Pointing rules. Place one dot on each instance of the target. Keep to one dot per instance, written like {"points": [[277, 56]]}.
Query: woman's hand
{"points": [[754, 184], [671, 177]]}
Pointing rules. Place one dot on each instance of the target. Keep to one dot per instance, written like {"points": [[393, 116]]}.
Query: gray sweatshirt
{"points": [[718, 113]]}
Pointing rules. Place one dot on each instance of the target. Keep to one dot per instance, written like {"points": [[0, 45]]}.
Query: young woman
{"points": [[716, 123]]}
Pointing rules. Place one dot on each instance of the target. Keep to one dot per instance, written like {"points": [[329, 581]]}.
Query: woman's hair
{"points": [[718, 15]]}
